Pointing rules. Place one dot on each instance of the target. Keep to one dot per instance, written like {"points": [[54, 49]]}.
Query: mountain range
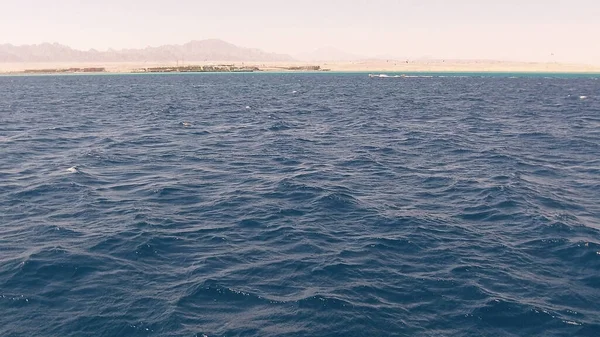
{"points": [[203, 50]]}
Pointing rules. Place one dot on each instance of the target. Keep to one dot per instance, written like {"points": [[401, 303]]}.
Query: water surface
{"points": [[299, 205]]}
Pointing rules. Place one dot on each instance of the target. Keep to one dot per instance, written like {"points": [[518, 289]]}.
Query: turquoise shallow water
{"points": [[299, 204]]}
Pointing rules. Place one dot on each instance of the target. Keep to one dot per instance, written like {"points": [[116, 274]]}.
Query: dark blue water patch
{"points": [[299, 204]]}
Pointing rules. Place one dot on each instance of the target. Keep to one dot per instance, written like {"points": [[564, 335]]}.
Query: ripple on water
{"points": [[298, 205]]}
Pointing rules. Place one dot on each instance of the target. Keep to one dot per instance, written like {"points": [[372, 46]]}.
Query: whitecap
{"points": [[583, 97], [572, 323]]}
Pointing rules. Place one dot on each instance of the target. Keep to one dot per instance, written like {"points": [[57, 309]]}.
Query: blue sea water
{"points": [[299, 205]]}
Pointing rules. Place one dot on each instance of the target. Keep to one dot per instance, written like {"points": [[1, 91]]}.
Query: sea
{"points": [[300, 204]]}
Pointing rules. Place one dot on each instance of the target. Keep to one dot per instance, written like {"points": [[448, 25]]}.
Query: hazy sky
{"points": [[527, 30]]}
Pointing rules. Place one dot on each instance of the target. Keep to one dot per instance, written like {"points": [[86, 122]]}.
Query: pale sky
{"points": [[523, 30]]}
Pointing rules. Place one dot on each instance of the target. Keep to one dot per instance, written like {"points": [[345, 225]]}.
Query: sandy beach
{"points": [[375, 66]]}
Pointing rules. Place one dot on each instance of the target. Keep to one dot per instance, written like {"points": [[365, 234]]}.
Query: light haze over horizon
{"points": [[509, 30]]}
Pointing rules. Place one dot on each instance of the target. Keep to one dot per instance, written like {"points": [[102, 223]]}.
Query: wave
{"points": [[442, 206]]}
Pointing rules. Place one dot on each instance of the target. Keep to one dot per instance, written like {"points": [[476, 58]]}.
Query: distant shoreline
{"points": [[366, 73], [375, 67]]}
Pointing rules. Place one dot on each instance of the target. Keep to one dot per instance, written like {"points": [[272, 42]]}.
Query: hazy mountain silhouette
{"points": [[204, 50], [328, 54]]}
